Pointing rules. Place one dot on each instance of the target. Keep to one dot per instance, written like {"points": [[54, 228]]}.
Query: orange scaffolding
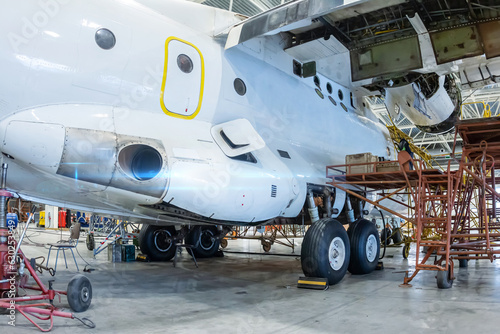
{"points": [[458, 208]]}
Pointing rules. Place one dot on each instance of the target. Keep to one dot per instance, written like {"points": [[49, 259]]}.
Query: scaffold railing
{"points": [[453, 213]]}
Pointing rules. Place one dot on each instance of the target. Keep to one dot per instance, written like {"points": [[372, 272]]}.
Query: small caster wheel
{"points": [[266, 246], [406, 251], [444, 278], [79, 293], [90, 241]]}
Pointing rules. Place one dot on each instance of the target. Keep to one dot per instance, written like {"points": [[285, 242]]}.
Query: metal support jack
{"points": [[13, 264]]}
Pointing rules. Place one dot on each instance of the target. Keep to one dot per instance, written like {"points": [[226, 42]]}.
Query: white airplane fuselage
{"points": [[73, 115]]}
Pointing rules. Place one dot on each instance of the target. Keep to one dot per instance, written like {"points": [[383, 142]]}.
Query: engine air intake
{"points": [[140, 162]]}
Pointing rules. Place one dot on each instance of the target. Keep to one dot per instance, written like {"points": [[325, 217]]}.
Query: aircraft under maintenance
{"points": [[191, 119]]}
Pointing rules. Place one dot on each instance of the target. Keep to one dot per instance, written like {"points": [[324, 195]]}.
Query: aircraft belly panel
{"points": [[233, 190]]}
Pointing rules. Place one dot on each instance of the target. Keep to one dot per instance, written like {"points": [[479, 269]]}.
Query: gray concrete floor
{"points": [[246, 294]]}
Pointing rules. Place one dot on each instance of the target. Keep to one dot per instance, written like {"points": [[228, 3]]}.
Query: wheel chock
{"points": [[380, 266], [316, 283], [142, 258]]}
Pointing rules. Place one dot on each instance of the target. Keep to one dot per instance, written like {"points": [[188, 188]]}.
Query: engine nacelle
{"points": [[431, 102]]}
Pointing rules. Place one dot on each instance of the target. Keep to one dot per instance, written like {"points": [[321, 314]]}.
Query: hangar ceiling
{"points": [[244, 7], [474, 101]]}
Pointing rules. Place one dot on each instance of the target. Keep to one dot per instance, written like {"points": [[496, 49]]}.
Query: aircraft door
{"points": [[183, 79]]}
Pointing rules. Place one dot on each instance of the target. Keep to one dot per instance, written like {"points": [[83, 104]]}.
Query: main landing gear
{"points": [[204, 240], [159, 242], [328, 250]]}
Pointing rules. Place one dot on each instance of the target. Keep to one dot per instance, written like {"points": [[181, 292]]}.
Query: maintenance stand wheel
{"points": [[386, 236], [326, 251], [223, 243], [203, 239], [266, 246], [463, 263], [157, 242], [79, 293], [444, 278], [397, 236], [365, 247], [90, 241], [406, 251]]}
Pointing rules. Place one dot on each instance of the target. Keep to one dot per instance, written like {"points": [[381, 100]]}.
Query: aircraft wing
{"points": [[382, 39]]}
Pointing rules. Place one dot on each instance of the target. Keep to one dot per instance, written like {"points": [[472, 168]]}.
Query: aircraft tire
{"points": [[365, 247], [153, 242], [203, 241], [325, 251]]}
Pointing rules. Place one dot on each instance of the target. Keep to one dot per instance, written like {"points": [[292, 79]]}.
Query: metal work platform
{"points": [[454, 213]]}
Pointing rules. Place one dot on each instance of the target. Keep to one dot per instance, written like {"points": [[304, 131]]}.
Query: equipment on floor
{"points": [[14, 279], [64, 245], [142, 257], [189, 249], [315, 283]]}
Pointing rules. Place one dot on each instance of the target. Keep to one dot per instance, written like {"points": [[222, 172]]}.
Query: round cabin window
{"points": [[105, 39]]}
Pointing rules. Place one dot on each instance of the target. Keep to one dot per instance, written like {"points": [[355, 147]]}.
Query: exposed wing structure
{"points": [[385, 39]]}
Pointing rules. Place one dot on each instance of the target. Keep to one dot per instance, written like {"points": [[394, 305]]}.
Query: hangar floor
{"points": [[241, 293]]}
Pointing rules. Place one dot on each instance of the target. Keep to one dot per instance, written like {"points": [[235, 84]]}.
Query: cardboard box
{"points": [[366, 158], [390, 166]]}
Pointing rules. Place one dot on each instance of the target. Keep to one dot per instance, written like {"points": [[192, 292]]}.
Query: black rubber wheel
{"points": [[406, 251], [326, 251], [203, 240], [90, 241], [79, 293], [397, 236], [444, 280], [266, 246], [157, 242], [365, 247], [463, 263], [386, 236]]}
